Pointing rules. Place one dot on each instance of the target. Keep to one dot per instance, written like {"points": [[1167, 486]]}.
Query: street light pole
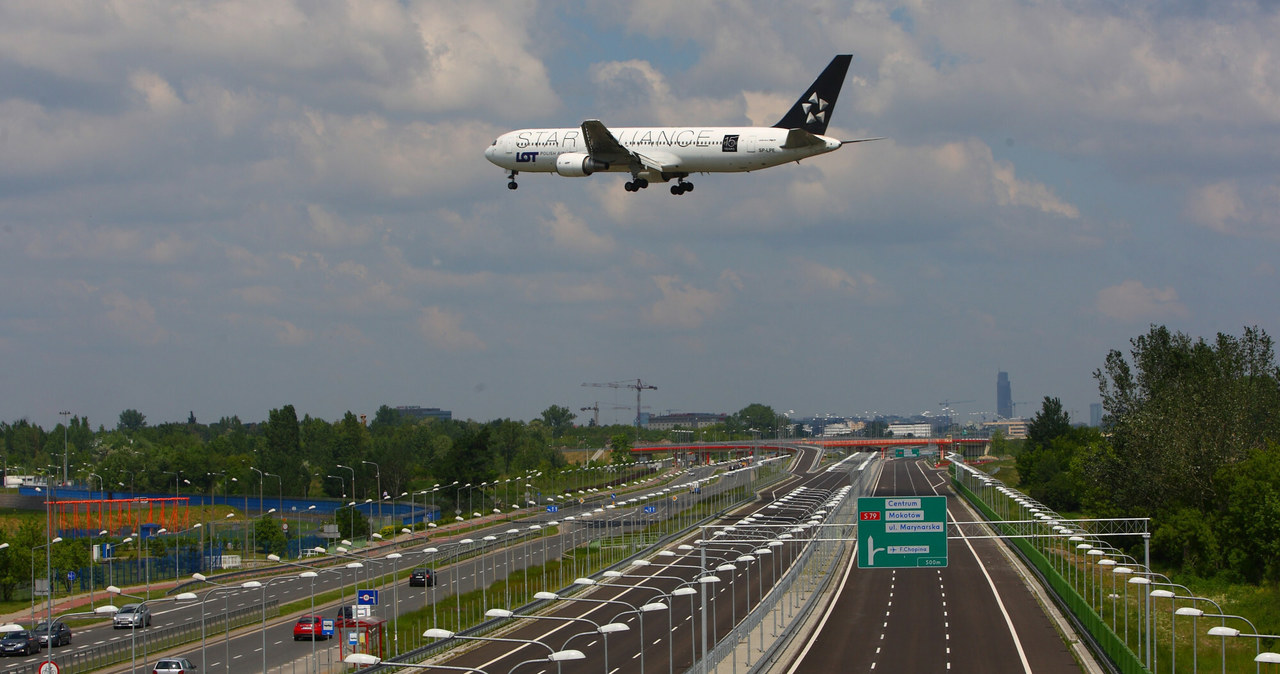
{"points": [[378, 472], [66, 414], [353, 499]]}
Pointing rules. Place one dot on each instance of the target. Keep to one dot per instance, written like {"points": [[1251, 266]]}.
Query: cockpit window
{"points": [[495, 142]]}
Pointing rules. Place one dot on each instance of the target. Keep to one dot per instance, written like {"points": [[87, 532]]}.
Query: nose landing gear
{"points": [[512, 177]]}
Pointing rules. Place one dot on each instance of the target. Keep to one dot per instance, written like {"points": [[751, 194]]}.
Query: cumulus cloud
{"points": [[683, 305], [309, 174], [331, 230], [570, 232], [132, 318], [443, 329], [1134, 302], [1227, 207], [819, 277], [639, 93]]}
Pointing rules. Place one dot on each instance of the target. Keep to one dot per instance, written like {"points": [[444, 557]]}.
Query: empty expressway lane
{"points": [[975, 615]]}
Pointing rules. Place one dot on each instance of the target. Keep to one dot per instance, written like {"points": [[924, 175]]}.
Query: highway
{"points": [[243, 650], [975, 615]]}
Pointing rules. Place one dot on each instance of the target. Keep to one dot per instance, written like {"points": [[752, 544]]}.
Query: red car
{"points": [[309, 627]]}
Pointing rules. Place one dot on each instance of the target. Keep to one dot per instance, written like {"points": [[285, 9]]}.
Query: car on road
{"points": [[309, 627], [132, 615], [60, 634], [20, 641], [422, 577], [173, 666]]}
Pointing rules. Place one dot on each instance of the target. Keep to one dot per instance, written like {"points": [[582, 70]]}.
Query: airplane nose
{"points": [[491, 152]]}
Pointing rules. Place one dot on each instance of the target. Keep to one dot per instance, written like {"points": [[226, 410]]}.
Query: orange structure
{"points": [[120, 515]]}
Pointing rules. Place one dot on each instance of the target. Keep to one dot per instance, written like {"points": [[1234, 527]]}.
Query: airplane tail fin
{"points": [[813, 110]]}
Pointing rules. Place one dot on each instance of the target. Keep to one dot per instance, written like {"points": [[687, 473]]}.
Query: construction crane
{"points": [[947, 410], [595, 408], [946, 404], [637, 385]]}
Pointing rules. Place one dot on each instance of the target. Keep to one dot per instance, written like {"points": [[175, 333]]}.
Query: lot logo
{"points": [[526, 157], [730, 143]]}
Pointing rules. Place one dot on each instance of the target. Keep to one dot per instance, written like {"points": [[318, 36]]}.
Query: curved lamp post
{"points": [[133, 630], [605, 629]]}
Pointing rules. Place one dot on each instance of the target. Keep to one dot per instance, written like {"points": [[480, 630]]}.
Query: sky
{"points": [[221, 208]]}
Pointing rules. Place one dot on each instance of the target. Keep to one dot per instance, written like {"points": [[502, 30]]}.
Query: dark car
{"points": [[21, 641], [173, 666], [422, 577], [309, 627], [61, 634]]}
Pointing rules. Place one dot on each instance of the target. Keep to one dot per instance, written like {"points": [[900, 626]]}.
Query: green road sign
{"points": [[906, 452], [902, 532]]}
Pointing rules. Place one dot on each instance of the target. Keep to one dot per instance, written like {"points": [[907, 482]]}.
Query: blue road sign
{"points": [[552, 509], [71, 576], [353, 638], [367, 598], [326, 627], [651, 509]]}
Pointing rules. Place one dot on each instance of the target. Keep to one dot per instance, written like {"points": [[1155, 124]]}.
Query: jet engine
{"points": [[578, 164]]}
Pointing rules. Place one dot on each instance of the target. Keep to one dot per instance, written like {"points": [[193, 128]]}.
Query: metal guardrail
{"points": [[149, 641]]}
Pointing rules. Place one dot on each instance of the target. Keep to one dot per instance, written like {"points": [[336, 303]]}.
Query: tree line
{"points": [[1190, 437], [299, 457]]}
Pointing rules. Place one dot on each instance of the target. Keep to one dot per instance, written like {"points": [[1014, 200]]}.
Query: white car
{"points": [[132, 615]]}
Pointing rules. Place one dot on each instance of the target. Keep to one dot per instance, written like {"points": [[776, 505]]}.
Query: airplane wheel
{"points": [[675, 189], [688, 187], [630, 186], [512, 185], [642, 183]]}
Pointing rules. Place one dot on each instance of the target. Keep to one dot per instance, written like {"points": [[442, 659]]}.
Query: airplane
{"points": [[661, 154]]}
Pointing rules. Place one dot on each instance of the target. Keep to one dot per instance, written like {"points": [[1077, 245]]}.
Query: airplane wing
{"points": [[603, 146]]}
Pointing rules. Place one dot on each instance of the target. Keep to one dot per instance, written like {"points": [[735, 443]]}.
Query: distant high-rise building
{"points": [[1095, 414], [415, 412], [1004, 396]]}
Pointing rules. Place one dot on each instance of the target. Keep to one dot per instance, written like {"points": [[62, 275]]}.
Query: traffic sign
{"points": [[906, 452], [367, 598], [902, 532], [326, 627], [552, 508], [651, 509], [48, 667]]}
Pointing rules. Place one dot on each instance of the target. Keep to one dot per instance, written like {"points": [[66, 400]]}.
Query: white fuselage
{"points": [[683, 150]]}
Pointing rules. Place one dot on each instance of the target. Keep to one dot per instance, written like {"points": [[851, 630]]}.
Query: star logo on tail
{"points": [[815, 109]]}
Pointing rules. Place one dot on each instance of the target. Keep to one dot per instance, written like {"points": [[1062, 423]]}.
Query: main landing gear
{"points": [[512, 185], [681, 187], [640, 183]]}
